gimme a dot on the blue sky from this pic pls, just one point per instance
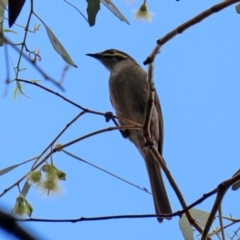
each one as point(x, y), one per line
point(197, 79)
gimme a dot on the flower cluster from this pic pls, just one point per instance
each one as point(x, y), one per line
point(49, 181)
point(142, 13)
point(22, 207)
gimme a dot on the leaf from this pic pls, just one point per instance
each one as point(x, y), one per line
point(92, 10)
point(9, 30)
point(58, 46)
point(3, 4)
point(19, 89)
point(36, 27)
point(14, 9)
point(8, 169)
point(236, 185)
point(200, 216)
point(110, 5)
point(15, 93)
point(238, 8)
point(25, 188)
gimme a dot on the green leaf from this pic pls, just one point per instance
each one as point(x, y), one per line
point(238, 8)
point(92, 10)
point(110, 5)
point(8, 169)
point(200, 216)
point(9, 30)
point(15, 93)
point(3, 4)
point(19, 89)
point(25, 188)
point(36, 27)
point(57, 45)
point(236, 185)
point(29, 208)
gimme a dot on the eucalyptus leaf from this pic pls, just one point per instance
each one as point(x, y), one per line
point(59, 47)
point(25, 188)
point(110, 5)
point(236, 185)
point(15, 93)
point(3, 4)
point(201, 218)
point(238, 8)
point(8, 169)
point(9, 30)
point(92, 10)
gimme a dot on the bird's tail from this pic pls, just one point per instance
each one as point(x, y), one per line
point(161, 202)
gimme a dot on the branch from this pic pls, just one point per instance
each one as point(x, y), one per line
point(66, 145)
point(45, 75)
point(151, 96)
point(214, 9)
point(75, 104)
point(153, 149)
point(77, 10)
point(101, 169)
point(172, 182)
point(58, 136)
point(221, 190)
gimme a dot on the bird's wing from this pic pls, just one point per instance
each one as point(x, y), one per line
point(124, 133)
point(160, 120)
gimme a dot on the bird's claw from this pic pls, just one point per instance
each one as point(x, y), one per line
point(108, 116)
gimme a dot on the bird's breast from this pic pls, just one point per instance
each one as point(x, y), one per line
point(129, 95)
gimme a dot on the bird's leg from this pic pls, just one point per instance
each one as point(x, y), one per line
point(109, 116)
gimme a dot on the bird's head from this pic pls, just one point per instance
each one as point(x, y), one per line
point(111, 58)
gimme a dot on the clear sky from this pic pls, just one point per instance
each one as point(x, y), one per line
point(197, 79)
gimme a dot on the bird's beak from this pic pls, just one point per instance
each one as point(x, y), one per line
point(94, 55)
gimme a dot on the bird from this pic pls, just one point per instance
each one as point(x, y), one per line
point(129, 92)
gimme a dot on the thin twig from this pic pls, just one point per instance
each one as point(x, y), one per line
point(24, 38)
point(73, 103)
point(151, 96)
point(153, 149)
point(177, 213)
point(98, 132)
point(172, 182)
point(58, 136)
point(178, 30)
point(77, 10)
point(221, 221)
point(46, 76)
point(66, 145)
point(222, 189)
point(103, 170)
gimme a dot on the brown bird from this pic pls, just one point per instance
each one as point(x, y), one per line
point(129, 95)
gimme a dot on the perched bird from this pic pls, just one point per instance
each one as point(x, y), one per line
point(129, 95)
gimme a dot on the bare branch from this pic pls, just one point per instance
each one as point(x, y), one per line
point(178, 30)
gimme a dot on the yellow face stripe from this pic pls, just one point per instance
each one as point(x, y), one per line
point(114, 53)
